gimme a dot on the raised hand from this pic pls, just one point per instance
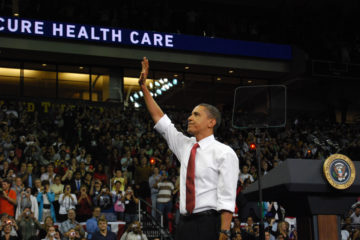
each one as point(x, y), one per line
point(144, 71)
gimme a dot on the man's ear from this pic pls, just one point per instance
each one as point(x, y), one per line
point(212, 123)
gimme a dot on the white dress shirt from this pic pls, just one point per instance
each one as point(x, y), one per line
point(216, 169)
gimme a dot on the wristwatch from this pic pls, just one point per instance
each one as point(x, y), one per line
point(226, 232)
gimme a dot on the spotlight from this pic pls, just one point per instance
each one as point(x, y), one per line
point(161, 81)
point(231, 71)
point(152, 161)
point(136, 96)
point(175, 81)
point(170, 84)
point(163, 88)
point(165, 80)
point(157, 84)
point(136, 105)
point(187, 67)
point(151, 85)
point(158, 91)
point(151, 94)
point(218, 78)
point(141, 94)
point(252, 146)
point(155, 95)
point(131, 99)
point(166, 87)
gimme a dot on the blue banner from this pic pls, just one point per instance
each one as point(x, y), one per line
point(10, 25)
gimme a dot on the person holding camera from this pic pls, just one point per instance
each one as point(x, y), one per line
point(72, 234)
point(6, 229)
point(67, 201)
point(130, 202)
point(28, 225)
point(104, 200)
point(134, 232)
point(27, 200)
point(45, 199)
point(52, 234)
point(7, 198)
point(69, 224)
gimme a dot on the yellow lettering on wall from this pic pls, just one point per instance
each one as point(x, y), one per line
point(46, 106)
point(30, 107)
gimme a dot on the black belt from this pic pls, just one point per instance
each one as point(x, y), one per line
point(210, 212)
point(46, 206)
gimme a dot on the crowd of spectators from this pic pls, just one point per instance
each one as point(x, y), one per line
point(325, 30)
point(77, 164)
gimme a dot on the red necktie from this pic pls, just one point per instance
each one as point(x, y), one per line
point(190, 180)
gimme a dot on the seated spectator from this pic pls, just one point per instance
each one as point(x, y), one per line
point(92, 223)
point(134, 232)
point(52, 234)
point(45, 227)
point(130, 201)
point(67, 201)
point(45, 200)
point(28, 225)
point(69, 224)
point(104, 232)
point(104, 200)
point(5, 232)
point(355, 216)
point(27, 200)
point(84, 205)
point(7, 199)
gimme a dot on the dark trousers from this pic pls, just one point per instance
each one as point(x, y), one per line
point(199, 227)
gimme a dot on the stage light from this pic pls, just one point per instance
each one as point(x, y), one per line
point(151, 94)
point(152, 161)
point(141, 94)
point(163, 88)
point(187, 68)
point(166, 87)
point(252, 146)
point(170, 84)
point(175, 81)
point(136, 105)
point(161, 81)
point(131, 99)
point(231, 71)
point(218, 78)
point(157, 84)
point(151, 85)
point(158, 91)
point(155, 95)
point(166, 80)
point(136, 96)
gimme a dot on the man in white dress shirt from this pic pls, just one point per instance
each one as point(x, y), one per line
point(209, 170)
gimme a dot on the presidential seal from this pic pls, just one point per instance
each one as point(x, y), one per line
point(339, 171)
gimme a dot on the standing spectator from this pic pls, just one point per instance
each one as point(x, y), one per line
point(153, 181)
point(103, 232)
point(7, 199)
point(45, 199)
point(76, 183)
point(29, 177)
point(164, 200)
point(27, 200)
point(118, 178)
point(141, 177)
point(67, 201)
point(28, 225)
point(105, 201)
point(57, 188)
point(69, 224)
point(18, 187)
point(91, 224)
point(5, 233)
point(244, 175)
point(84, 205)
point(130, 202)
point(100, 174)
point(49, 175)
point(118, 199)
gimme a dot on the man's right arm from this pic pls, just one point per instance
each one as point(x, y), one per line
point(151, 105)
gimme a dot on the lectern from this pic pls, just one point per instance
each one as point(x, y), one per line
point(300, 186)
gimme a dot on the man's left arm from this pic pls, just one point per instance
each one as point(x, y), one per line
point(226, 189)
point(11, 197)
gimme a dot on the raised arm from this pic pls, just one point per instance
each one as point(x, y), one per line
point(153, 108)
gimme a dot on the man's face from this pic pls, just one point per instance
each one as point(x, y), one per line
point(267, 236)
point(96, 212)
point(71, 215)
point(50, 169)
point(102, 225)
point(357, 211)
point(198, 121)
point(5, 186)
point(29, 168)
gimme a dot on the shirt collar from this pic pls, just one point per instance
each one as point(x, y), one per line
point(203, 143)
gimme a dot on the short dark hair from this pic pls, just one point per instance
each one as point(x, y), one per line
point(213, 112)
